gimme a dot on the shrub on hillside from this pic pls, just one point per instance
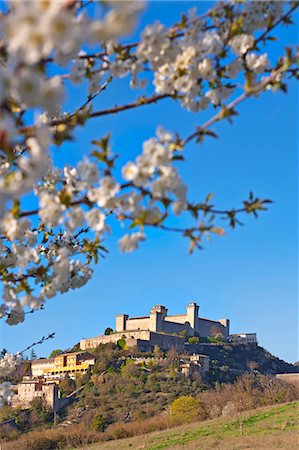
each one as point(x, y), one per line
point(108, 331)
point(185, 409)
point(121, 343)
point(67, 386)
point(99, 423)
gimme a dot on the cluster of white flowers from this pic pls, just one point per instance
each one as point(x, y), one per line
point(19, 176)
point(33, 33)
point(8, 364)
point(257, 63)
point(258, 14)
point(105, 194)
point(190, 67)
point(36, 29)
point(130, 242)
point(5, 392)
point(156, 159)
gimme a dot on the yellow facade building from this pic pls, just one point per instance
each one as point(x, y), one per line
point(65, 363)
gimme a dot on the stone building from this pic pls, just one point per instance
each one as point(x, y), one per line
point(160, 329)
point(29, 390)
point(196, 363)
point(244, 338)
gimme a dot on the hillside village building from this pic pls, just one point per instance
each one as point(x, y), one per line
point(160, 329)
point(29, 390)
point(244, 338)
point(196, 363)
point(65, 363)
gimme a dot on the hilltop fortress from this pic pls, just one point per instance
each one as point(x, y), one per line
point(160, 329)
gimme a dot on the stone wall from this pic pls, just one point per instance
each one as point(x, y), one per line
point(167, 341)
point(130, 337)
point(172, 327)
point(139, 338)
point(206, 328)
point(138, 324)
point(179, 318)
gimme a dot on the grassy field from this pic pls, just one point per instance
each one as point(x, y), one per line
point(274, 427)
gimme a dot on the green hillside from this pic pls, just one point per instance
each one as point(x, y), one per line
point(272, 427)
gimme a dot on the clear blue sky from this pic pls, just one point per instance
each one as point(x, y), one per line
point(249, 276)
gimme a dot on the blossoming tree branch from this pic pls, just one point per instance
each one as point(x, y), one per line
point(212, 62)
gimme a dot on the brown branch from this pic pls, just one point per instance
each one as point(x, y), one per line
point(90, 98)
point(115, 109)
point(279, 21)
point(42, 340)
point(140, 102)
point(153, 98)
point(81, 201)
point(230, 107)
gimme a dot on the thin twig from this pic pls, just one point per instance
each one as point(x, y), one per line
point(41, 341)
point(90, 98)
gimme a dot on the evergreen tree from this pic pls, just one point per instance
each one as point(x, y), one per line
point(33, 354)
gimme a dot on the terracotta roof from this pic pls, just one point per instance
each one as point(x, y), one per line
point(75, 354)
point(69, 353)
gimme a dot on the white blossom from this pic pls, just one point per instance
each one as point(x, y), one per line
point(8, 363)
point(212, 43)
point(257, 63)
point(206, 69)
point(241, 43)
point(130, 171)
point(105, 194)
point(51, 209)
point(13, 228)
point(130, 242)
point(88, 171)
point(76, 217)
point(43, 250)
point(96, 220)
point(5, 392)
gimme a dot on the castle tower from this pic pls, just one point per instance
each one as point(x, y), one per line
point(157, 317)
point(120, 322)
point(225, 323)
point(192, 315)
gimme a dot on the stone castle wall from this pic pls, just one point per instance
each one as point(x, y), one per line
point(172, 327)
point(180, 318)
point(130, 337)
point(166, 341)
point(138, 324)
point(139, 338)
point(207, 328)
